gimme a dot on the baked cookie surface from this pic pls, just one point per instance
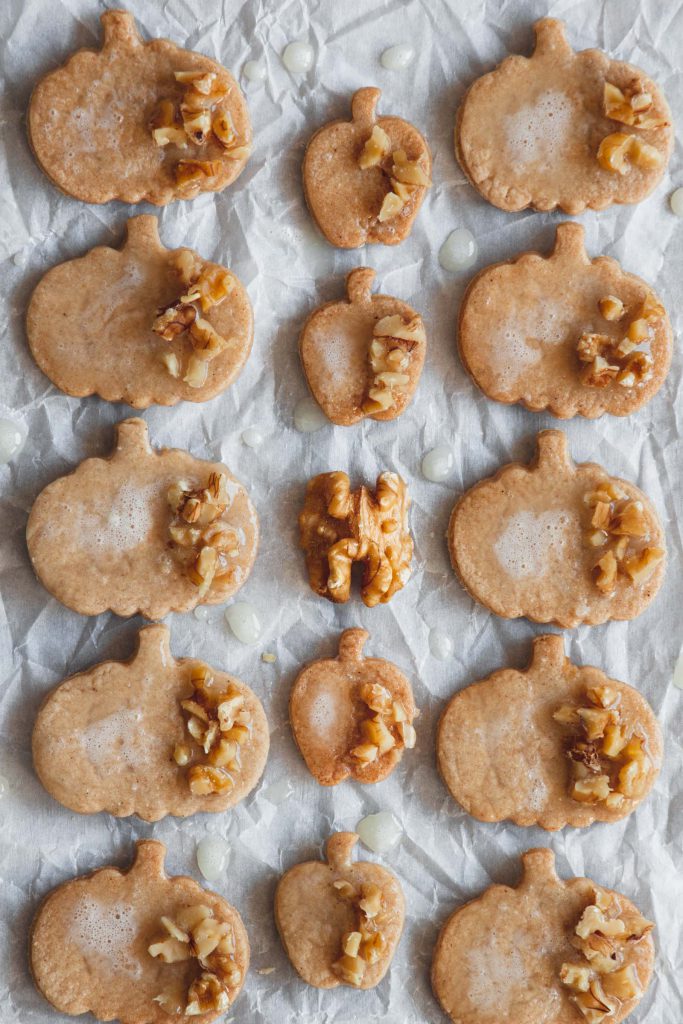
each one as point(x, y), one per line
point(143, 531)
point(352, 716)
point(543, 952)
point(557, 542)
point(363, 356)
point(340, 921)
point(138, 121)
point(575, 336)
point(569, 747)
point(365, 179)
point(142, 324)
point(118, 944)
point(137, 737)
point(563, 129)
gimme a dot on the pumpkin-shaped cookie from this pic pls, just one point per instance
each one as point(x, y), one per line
point(138, 946)
point(552, 745)
point(544, 952)
point(363, 356)
point(557, 542)
point(340, 922)
point(563, 129)
point(142, 324)
point(365, 179)
point(352, 716)
point(138, 121)
point(143, 531)
point(575, 336)
point(150, 736)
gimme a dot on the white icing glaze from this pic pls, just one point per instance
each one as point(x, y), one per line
point(252, 437)
point(213, 854)
point(279, 792)
point(201, 613)
point(308, 416)
point(379, 832)
point(510, 354)
point(12, 440)
point(116, 735)
point(107, 931)
point(20, 259)
point(254, 71)
point(398, 58)
point(324, 713)
point(496, 977)
point(676, 202)
point(437, 464)
point(678, 673)
point(527, 540)
point(440, 644)
point(537, 132)
point(459, 251)
point(298, 58)
point(244, 622)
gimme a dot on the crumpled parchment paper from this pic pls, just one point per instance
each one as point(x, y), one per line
point(260, 227)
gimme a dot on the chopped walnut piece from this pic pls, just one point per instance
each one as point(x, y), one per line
point(631, 106)
point(636, 369)
point(642, 565)
point(390, 355)
point(366, 753)
point(205, 780)
point(376, 148)
point(392, 205)
point(611, 307)
point(408, 172)
point(365, 944)
point(219, 724)
point(171, 362)
point(189, 172)
point(619, 152)
point(625, 525)
point(173, 320)
point(605, 573)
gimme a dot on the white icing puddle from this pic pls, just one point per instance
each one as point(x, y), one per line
point(114, 737)
point(298, 58)
point(379, 832)
point(213, 854)
point(12, 439)
point(324, 713)
point(527, 541)
point(398, 58)
point(244, 622)
point(537, 133)
point(309, 417)
point(107, 931)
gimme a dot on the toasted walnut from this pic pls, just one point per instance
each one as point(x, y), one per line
point(605, 573)
point(642, 565)
point(390, 355)
point(619, 152)
point(623, 525)
point(599, 373)
point(220, 725)
point(376, 148)
point(408, 172)
point(392, 205)
point(636, 369)
point(611, 307)
point(365, 944)
point(173, 320)
point(631, 106)
point(208, 545)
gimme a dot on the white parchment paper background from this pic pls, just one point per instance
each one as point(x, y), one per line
point(261, 229)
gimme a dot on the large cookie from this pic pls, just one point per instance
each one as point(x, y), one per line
point(138, 121)
point(565, 333)
point(544, 952)
point(138, 946)
point(143, 531)
point(365, 179)
point(363, 356)
point(340, 922)
point(552, 745)
point(142, 324)
point(557, 542)
point(138, 737)
point(563, 129)
point(352, 716)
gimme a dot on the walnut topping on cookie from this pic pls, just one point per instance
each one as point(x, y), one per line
point(620, 530)
point(386, 726)
point(619, 152)
point(606, 359)
point(390, 356)
point(220, 725)
point(609, 762)
point(405, 175)
point(365, 944)
point(607, 977)
point(195, 933)
point(339, 527)
point(199, 538)
point(631, 105)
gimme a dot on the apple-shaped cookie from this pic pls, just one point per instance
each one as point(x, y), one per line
point(599, 342)
point(557, 542)
point(352, 716)
point(138, 121)
point(365, 179)
point(340, 922)
point(138, 946)
point(563, 129)
point(142, 324)
point(544, 952)
point(143, 531)
point(552, 745)
point(138, 737)
point(363, 356)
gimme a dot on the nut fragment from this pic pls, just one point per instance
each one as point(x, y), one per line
point(611, 307)
point(619, 151)
point(219, 724)
point(376, 148)
point(631, 106)
point(365, 944)
point(392, 205)
point(624, 526)
point(408, 172)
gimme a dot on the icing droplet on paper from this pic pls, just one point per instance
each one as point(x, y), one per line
point(298, 58)
point(676, 202)
point(252, 437)
point(678, 673)
point(437, 464)
point(279, 792)
point(398, 58)
point(459, 251)
point(213, 854)
point(12, 438)
point(200, 613)
point(379, 832)
point(254, 71)
point(440, 645)
point(244, 622)
point(308, 416)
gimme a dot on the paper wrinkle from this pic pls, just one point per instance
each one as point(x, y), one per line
point(261, 229)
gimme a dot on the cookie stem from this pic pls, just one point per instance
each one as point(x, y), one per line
point(154, 641)
point(149, 857)
point(359, 285)
point(569, 243)
point(363, 107)
point(143, 232)
point(551, 451)
point(339, 849)
point(132, 436)
point(551, 38)
point(548, 652)
point(119, 30)
point(351, 644)
point(538, 868)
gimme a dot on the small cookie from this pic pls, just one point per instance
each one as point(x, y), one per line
point(340, 922)
point(363, 356)
point(352, 716)
point(142, 324)
point(365, 179)
point(138, 946)
point(138, 121)
point(150, 736)
point(143, 531)
point(557, 542)
point(543, 952)
point(339, 526)
point(569, 747)
point(563, 129)
point(576, 336)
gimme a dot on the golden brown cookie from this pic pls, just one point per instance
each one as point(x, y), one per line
point(142, 324)
point(363, 356)
point(352, 716)
point(339, 526)
point(552, 745)
point(576, 336)
point(543, 952)
point(138, 121)
point(340, 922)
point(365, 179)
point(138, 946)
point(150, 736)
point(143, 531)
point(563, 129)
point(557, 542)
